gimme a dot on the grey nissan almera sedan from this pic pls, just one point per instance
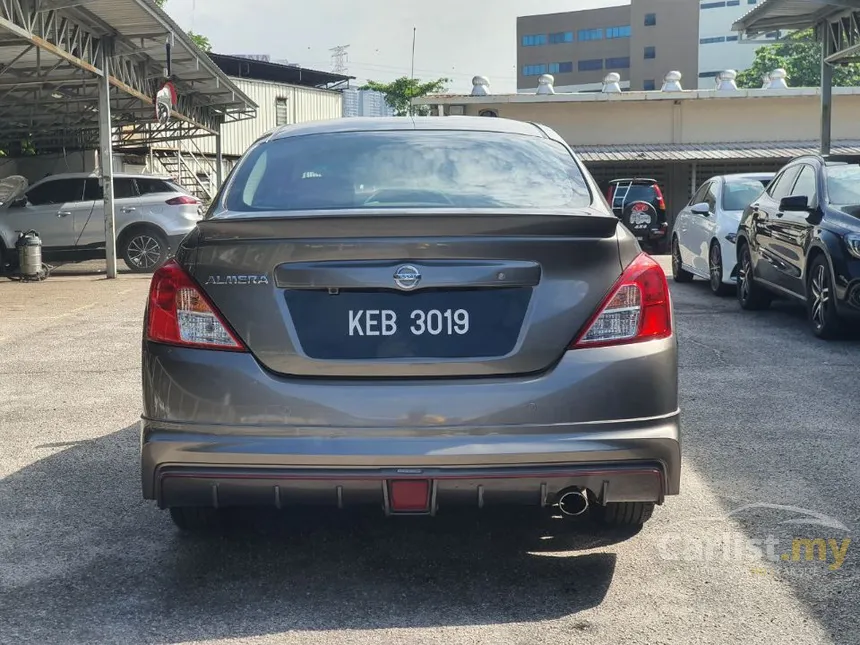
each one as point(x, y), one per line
point(416, 314)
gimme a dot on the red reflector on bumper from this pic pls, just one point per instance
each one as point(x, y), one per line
point(409, 495)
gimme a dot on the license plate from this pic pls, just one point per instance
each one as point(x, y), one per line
point(459, 323)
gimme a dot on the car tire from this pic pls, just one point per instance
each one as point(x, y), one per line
point(144, 250)
point(715, 270)
point(678, 272)
point(190, 519)
point(624, 513)
point(751, 295)
point(820, 304)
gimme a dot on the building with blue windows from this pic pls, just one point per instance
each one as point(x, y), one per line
point(641, 41)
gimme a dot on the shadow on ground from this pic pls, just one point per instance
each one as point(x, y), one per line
point(85, 559)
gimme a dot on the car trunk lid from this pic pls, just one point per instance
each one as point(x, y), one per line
point(420, 294)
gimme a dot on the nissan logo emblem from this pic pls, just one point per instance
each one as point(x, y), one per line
point(407, 277)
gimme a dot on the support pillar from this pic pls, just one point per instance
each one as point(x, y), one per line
point(826, 93)
point(219, 160)
point(106, 160)
point(693, 180)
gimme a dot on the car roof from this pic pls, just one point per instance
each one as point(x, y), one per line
point(750, 175)
point(95, 175)
point(400, 123)
point(634, 180)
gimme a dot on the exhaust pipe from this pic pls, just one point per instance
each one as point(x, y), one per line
point(573, 502)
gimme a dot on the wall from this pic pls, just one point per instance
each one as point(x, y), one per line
point(303, 104)
point(35, 168)
point(675, 38)
point(627, 119)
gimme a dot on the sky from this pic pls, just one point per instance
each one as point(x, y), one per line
point(457, 39)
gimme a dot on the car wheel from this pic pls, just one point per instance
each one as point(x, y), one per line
point(144, 250)
point(678, 272)
point(820, 304)
point(751, 295)
point(624, 513)
point(196, 519)
point(715, 269)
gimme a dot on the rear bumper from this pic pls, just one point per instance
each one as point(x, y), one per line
point(626, 461)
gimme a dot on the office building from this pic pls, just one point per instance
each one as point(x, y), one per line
point(365, 103)
point(641, 41)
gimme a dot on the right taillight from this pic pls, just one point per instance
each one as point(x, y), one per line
point(179, 313)
point(638, 308)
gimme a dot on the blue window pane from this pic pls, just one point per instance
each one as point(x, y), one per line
point(618, 32)
point(590, 34)
point(534, 40)
point(618, 63)
point(590, 65)
point(733, 3)
point(714, 39)
point(534, 70)
point(731, 39)
point(713, 5)
point(561, 68)
point(650, 52)
point(648, 85)
point(561, 37)
point(650, 19)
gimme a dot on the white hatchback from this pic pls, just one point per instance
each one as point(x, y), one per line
point(703, 239)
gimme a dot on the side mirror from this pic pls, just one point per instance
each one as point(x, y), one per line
point(701, 208)
point(794, 203)
point(18, 203)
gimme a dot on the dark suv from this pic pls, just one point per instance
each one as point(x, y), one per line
point(639, 204)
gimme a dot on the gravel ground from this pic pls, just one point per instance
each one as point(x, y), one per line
point(769, 421)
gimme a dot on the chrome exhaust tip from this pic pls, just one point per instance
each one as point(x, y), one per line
point(573, 502)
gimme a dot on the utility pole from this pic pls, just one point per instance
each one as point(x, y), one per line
point(339, 58)
point(412, 74)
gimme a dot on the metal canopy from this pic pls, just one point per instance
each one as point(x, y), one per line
point(836, 23)
point(51, 63)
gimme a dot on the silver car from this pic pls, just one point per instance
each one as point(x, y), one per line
point(152, 214)
point(414, 314)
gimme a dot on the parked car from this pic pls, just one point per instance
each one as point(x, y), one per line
point(703, 240)
point(478, 330)
point(639, 203)
point(67, 211)
point(801, 239)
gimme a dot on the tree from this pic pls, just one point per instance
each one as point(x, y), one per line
point(801, 59)
point(400, 92)
point(201, 41)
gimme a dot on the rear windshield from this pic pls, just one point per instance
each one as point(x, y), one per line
point(740, 193)
point(843, 184)
point(637, 193)
point(407, 169)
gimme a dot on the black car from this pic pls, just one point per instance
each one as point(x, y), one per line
point(638, 202)
point(801, 239)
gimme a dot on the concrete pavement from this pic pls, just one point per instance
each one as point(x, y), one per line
point(769, 418)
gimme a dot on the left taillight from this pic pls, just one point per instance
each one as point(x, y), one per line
point(660, 201)
point(638, 308)
point(179, 313)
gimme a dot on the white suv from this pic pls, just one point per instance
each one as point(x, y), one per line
point(152, 215)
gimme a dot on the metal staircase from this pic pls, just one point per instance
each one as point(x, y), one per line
point(195, 171)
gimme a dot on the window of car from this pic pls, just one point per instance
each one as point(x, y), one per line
point(123, 188)
point(56, 191)
point(843, 184)
point(699, 197)
point(806, 184)
point(149, 186)
point(740, 193)
point(407, 169)
point(782, 185)
point(711, 196)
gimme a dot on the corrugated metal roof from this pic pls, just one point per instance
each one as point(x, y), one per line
point(710, 151)
point(771, 15)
